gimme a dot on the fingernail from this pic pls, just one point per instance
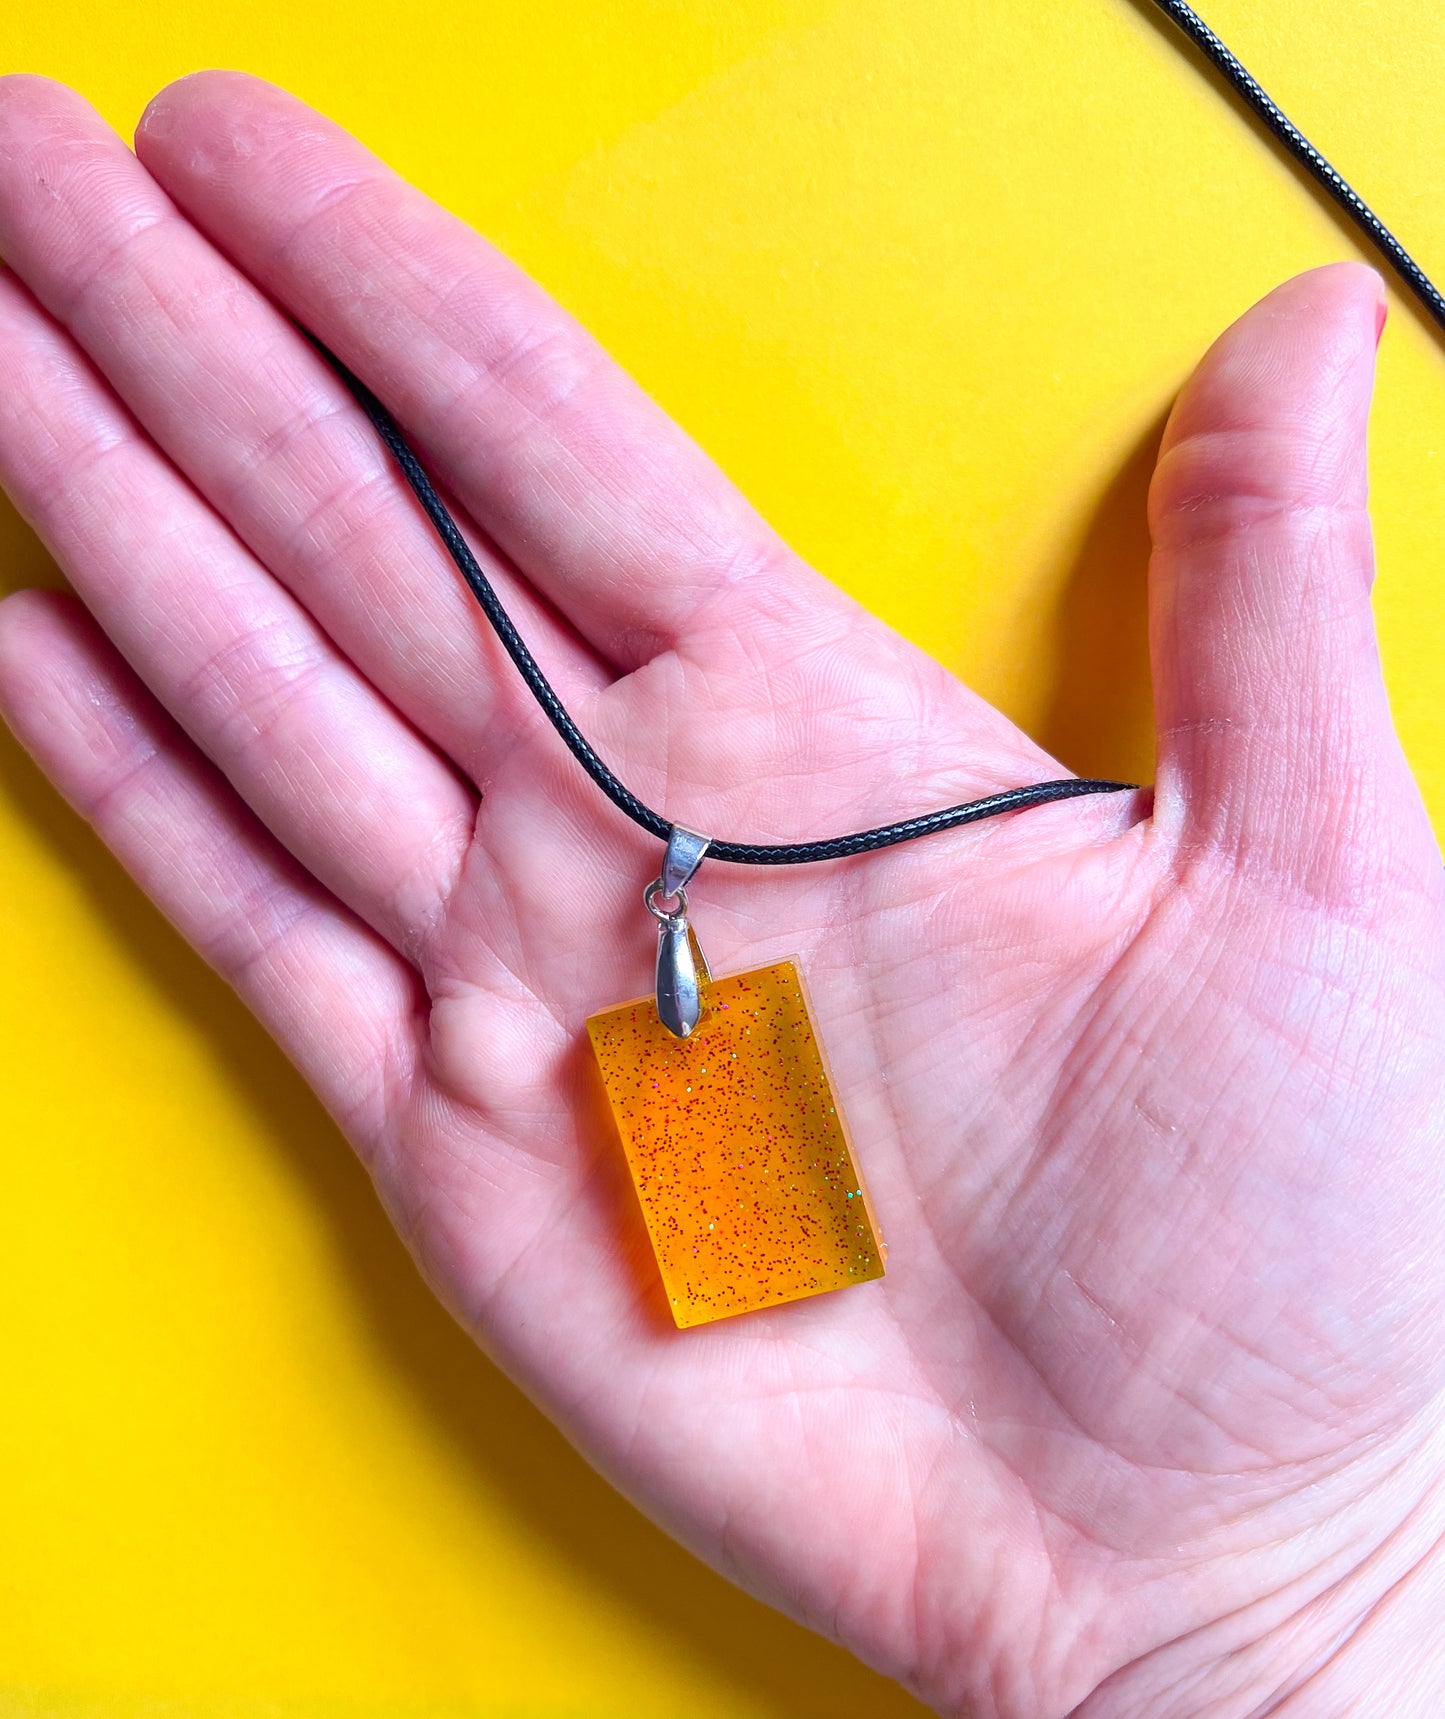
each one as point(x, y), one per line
point(1382, 310)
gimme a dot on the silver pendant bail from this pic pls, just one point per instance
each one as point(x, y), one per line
point(685, 850)
point(681, 966)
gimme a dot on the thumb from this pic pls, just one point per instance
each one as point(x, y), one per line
point(1274, 735)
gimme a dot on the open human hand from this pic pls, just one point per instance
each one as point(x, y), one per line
point(1146, 1417)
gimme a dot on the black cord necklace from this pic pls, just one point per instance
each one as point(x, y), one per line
point(1299, 146)
point(739, 853)
point(718, 1087)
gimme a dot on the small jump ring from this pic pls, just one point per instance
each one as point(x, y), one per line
point(674, 921)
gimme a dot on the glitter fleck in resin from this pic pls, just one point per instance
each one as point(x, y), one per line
point(737, 1149)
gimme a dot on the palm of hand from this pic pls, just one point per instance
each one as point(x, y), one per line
point(1144, 1092)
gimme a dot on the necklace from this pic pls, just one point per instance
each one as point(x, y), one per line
point(727, 1114)
point(719, 1088)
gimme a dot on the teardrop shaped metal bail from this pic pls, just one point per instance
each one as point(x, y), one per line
point(681, 968)
point(679, 989)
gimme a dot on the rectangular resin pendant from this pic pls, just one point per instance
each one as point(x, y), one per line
point(737, 1150)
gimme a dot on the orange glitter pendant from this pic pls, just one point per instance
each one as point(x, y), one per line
point(738, 1151)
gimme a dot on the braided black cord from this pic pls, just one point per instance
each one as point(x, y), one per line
point(739, 853)
point(1300, 147)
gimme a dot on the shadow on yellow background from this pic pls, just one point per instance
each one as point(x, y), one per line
point(1098, 719)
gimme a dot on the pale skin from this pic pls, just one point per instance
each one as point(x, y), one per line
point(1146, 1417)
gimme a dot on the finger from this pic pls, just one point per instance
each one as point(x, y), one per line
point(1275, 739)
point(337, 1000)
point(339, 778)
point(597, 496)
point(259, 423)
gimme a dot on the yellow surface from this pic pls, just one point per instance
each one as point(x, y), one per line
point(738, 1152)
point(923, 275)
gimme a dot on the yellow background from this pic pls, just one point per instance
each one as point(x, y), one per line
point(923, 276)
